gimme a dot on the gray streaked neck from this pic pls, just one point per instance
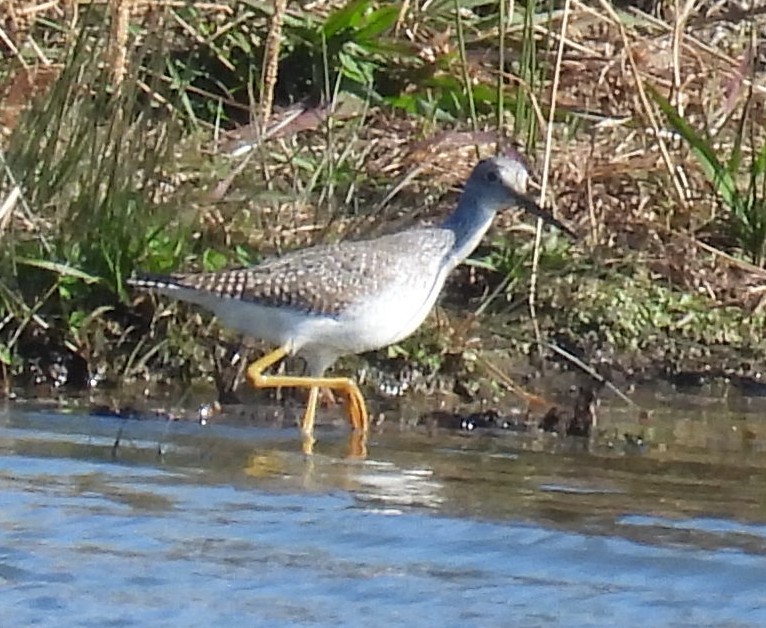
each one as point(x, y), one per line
point(469, 222)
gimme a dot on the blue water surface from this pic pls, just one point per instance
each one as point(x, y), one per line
point(191, 538)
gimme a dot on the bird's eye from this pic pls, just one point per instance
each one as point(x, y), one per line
point(491, 176)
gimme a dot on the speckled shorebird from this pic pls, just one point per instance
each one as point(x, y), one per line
point(328, 301)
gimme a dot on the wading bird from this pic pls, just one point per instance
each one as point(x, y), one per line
point(332, 300)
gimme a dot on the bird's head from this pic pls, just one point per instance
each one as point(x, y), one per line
point(500, 182)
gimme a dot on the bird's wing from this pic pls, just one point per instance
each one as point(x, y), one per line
point(322, 279)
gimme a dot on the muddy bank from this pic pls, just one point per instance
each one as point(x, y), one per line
point(432, 371)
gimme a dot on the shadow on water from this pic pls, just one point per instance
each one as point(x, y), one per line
point(184, 524)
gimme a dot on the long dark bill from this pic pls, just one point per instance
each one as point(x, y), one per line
point(533, 208)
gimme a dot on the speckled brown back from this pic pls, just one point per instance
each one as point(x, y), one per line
point(322, 279)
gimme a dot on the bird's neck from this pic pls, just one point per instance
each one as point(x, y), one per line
point(469, 222)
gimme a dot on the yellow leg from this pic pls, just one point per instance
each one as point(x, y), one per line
point(311, 409)
point(357, 445)
point(307, 428)
point(356, 409)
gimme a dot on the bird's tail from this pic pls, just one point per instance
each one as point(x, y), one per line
point(169, 285)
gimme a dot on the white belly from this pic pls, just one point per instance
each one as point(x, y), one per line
point(376, 322)
point(388, 318)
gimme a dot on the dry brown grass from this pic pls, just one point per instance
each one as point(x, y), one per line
point(631, 183)
point(624, 178)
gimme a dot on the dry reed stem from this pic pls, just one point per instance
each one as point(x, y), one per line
point(402, 17)
point(5, 39)
point(546, 170)
point(646, 105)
point(119, 40)
point(271, 60)
point(7, 206)
point(682, 15)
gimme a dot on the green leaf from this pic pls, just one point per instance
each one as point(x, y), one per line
point(377, 22)
point(344, 18)
point(360, 72)
point(244, 257)
point(213, 261)
point(76, 318)
point(5, 354)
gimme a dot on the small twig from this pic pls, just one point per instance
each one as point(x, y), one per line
point(38, 51)
point(29, 218)
point(12, 47)
point(400, 19)
point(730, 259)
point(532, 400)
point(223, 186)
point(530, 94)
point(591, 372)
point(194, 33)
point(39, 7)
point(594, 225)
point(6, 208)
point(406, 180)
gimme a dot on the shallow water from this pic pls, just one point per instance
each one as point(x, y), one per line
point(179, 524)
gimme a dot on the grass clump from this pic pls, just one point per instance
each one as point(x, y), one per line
point(91, 163)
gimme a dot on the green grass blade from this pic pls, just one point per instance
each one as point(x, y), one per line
point(59, 269)
point(721, 178)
